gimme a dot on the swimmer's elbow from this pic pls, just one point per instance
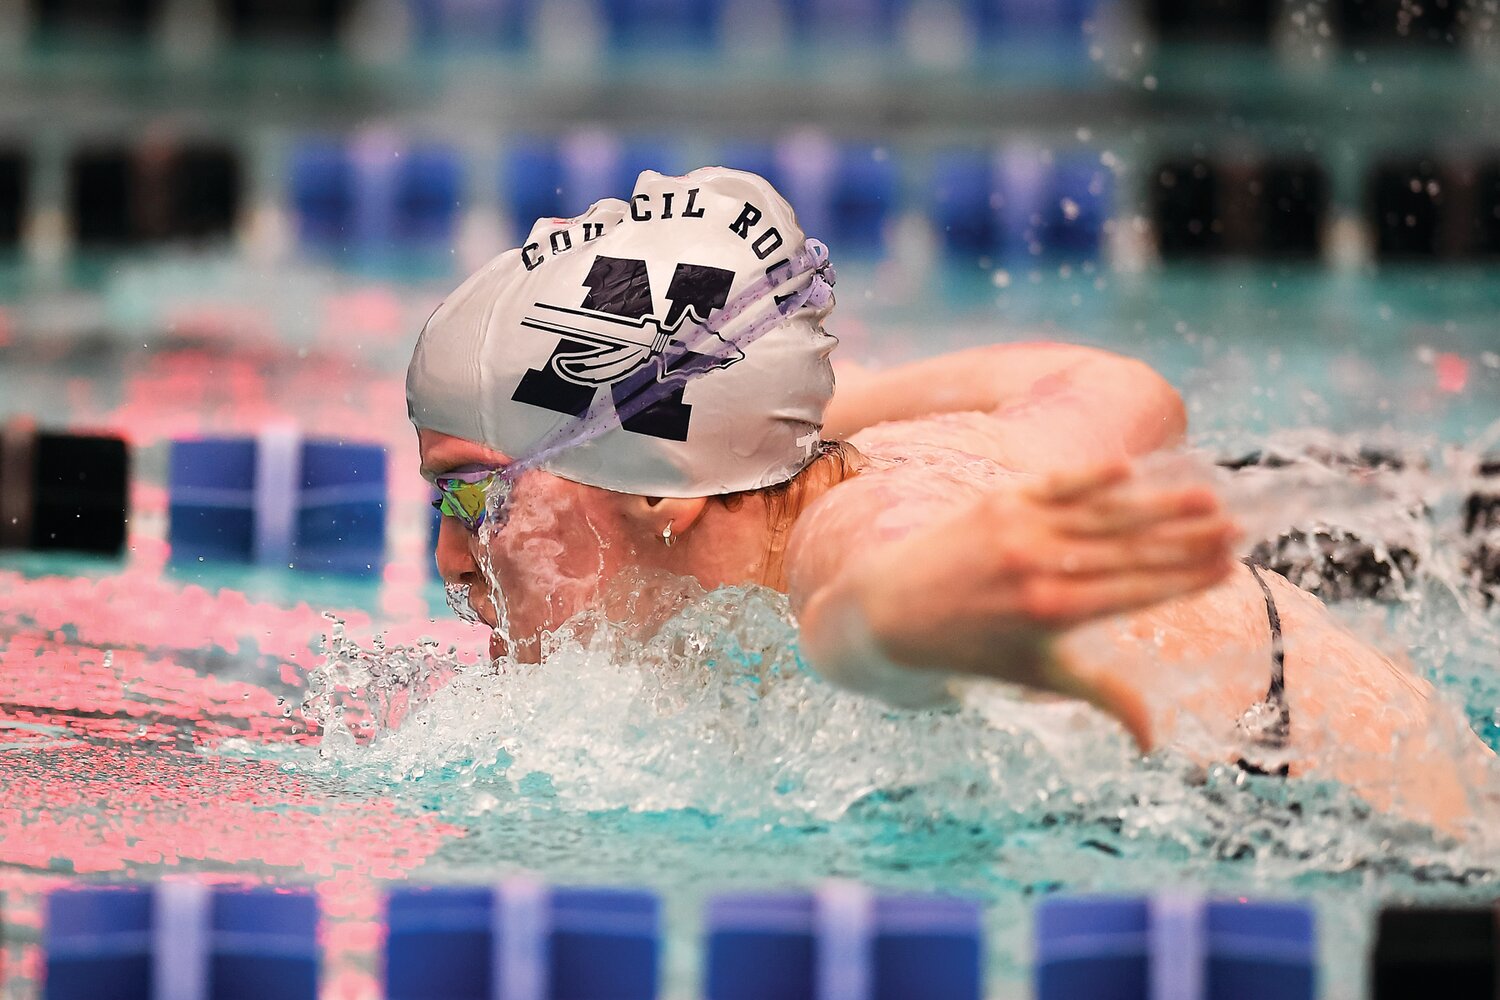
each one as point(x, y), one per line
point(1157, 416)
point(1165, 420)
point(1113, 390)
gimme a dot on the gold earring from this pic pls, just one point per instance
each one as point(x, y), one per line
point(666, 535)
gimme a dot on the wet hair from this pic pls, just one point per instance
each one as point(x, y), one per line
point(835, 459)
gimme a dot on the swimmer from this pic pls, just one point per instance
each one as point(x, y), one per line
point(648, 388)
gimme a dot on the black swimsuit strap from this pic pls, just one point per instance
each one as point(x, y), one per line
point(1275, 734)
point(1276, 693)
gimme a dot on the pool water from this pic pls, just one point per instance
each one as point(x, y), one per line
point(274, 726)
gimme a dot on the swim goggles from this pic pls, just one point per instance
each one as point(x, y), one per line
point(466, 494)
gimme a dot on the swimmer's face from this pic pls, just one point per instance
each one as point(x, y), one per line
point(559, 541)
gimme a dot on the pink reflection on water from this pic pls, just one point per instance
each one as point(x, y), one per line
point(1452, 372)
point(109, 716)
point(119, 690)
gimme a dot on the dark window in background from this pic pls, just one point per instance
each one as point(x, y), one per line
point(304, 22)
point(14, 168)
point(1185, 208)
point(161, 192)
point(1274, 208)
point(124, 19)
point(101, 184)
point(1407, 199)
point(1486, 217)
point(1213, 20)
point(206, 193)
point(1294, 203)
point(1435, 23)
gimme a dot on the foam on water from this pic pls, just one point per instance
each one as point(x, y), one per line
point(716, 715)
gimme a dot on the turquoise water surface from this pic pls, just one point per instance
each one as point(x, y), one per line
point(158, 719)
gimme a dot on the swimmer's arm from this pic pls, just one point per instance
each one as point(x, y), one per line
point(1099, 406)
point(1364, 720)
point(896, 591)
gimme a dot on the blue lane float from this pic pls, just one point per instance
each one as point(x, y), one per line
point(1002, 20)
point(843, 943)
point(376, 196)
point(844, 21)
point(521, 940)
point(278, 500)
point(650, 25)
point(846, 193)
point(966, 208)
point(1021, 205)
point(181, 939)
point(663, 23)
point(465, 24)
point(559, 178)
point(1173, 948)
point(323, 193)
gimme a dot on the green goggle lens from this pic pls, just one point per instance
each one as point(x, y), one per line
point(465, 499)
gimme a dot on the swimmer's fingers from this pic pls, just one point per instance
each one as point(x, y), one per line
point(1130, 508)
point(1064, 487)
point(1065, 601)
point(1175, 545)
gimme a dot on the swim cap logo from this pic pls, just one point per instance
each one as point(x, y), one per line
point(616, 339)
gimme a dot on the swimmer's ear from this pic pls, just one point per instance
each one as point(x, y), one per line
point(653, 514)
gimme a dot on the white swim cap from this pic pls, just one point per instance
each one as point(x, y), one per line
point(671, 345)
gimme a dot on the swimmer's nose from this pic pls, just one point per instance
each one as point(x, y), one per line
point(455, 558)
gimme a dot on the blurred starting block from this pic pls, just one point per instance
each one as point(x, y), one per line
point(521, 939)
point(1261, 208)
point(181, 939)
point(1422, 952)
point(278, 500)
point(843, 942)
point(121, 196)
point(376, 196)
point(1022, 205)
point(1173, 948)
point(60, 491)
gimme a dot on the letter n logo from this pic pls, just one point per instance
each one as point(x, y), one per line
point(616, 338)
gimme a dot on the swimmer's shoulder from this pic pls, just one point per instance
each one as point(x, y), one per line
point(954, 445)
point(909, 474)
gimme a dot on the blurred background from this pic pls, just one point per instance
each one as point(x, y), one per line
point(223, 223)
point(292, 172)
point(410, 139)
point(219, 216)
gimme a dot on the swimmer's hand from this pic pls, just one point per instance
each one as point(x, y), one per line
point(988, 590)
